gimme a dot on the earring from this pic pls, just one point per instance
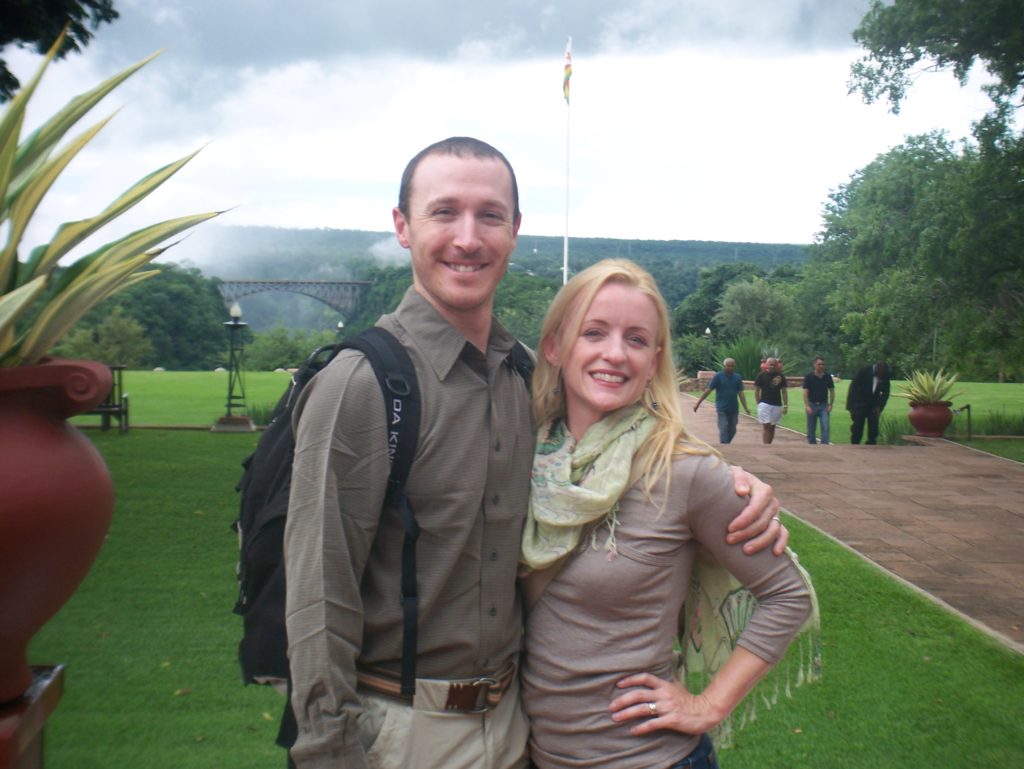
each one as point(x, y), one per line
point(649, 393)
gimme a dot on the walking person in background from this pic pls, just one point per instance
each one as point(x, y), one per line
point(819, 395)
point(865, 400)
point(772, 399)
point(729, 386)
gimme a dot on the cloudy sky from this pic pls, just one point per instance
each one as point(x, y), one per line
point(690, 119)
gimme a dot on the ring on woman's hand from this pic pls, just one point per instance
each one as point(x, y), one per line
point(776, 518)
point(653, 707)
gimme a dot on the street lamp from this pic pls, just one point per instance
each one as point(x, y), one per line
point(341, 329)
point(707, 348)
point(232, 422)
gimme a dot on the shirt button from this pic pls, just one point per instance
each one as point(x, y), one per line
point(497, 445)
point(494, 555)
point(493, 612)
point(495, 499)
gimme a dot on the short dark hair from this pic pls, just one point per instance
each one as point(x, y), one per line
point(817, 358)
point(460, 146)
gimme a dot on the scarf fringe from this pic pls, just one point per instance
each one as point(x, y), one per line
point(716, 611)
point(801, 666)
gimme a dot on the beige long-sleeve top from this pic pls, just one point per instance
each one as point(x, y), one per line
point(603, 618)
point(468, 485)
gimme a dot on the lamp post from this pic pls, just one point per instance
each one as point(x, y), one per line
point(232, 422)
point(707, 348)
point(341, 329)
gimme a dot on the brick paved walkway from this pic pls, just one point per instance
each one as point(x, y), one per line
point(945, 518)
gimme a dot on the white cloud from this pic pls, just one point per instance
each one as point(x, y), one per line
point(725, 142)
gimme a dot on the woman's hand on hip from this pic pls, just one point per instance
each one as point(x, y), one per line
point(658, 704)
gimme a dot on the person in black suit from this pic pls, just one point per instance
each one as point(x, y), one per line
point(865, 400)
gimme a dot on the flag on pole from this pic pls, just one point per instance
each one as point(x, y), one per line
point(568, 69)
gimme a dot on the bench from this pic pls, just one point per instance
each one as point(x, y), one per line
point(115, 405)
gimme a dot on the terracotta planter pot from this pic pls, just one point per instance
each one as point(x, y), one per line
point(56, 502)
point(930, 420)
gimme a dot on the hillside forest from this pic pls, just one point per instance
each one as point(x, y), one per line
point(913, 265)
point(919, 259)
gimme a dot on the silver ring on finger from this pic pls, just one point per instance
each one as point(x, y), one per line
point(653, 707)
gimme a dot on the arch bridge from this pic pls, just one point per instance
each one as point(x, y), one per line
point(342, 295)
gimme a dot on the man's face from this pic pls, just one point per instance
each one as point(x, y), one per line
point(819, 367)
point(460, 230)
point(729, 366)
point(773, 365)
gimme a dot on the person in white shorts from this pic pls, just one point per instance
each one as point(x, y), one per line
point(772, 399)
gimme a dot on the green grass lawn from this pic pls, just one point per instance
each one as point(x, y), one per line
point(1008, 448)
point(191, 397)
point(149, 641)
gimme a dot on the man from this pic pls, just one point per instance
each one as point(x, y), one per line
point(867, 396)
point(458, 214)
point(729, 385)
point(819, 395)
point(772, 399)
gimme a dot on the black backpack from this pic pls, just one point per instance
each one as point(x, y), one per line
point(265, 485)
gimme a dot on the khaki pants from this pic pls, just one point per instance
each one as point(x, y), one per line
point(426, 736)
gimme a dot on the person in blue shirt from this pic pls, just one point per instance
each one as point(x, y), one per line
point(729, 385)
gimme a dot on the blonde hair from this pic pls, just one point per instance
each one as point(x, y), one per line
point(562, 324)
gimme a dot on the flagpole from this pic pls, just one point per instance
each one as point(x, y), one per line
point(565, 90)
point(565, 241)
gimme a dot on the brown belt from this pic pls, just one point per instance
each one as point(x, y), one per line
point(465, 695)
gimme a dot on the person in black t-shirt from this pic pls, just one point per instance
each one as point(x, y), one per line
point(819, 395)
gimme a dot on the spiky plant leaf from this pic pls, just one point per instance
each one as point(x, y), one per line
point(44, 138)
point(27, 173)
point(13, 304)
point(70, 234)
point(29, 197)
point(67, 308)
point(130, 246)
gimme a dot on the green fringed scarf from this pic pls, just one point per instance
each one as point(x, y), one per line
point(576, 485)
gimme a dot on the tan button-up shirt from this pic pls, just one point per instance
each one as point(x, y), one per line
point(469, 486)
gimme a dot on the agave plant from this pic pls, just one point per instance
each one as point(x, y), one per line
point(924, 388)
point(57, 298)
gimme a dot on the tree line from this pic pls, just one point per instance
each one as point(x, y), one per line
point(918, 260)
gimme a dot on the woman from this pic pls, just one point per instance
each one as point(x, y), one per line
point(622, 499)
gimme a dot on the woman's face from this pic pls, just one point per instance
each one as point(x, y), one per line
point(612, 359)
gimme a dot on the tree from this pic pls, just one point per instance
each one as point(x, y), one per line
point(279, 348)
point(902, 36)
point(698, 310)
point(754, 308)
point(927, 240)
point(37, 23)
point(521, 303)
point(182, 314)
point(118, 340)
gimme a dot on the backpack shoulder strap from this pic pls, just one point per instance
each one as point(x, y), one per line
point(396, 376)
point(398, 383)
point(521, 362)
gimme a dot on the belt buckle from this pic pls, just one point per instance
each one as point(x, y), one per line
point(484, 684)
point(458, 691)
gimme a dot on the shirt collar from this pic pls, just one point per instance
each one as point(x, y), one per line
point(441, 344)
